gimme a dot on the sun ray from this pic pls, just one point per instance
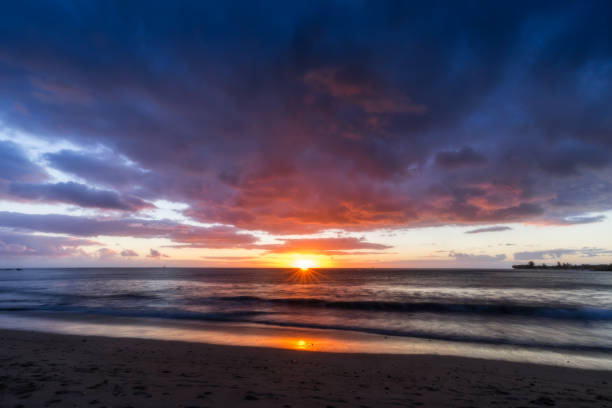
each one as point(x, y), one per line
point(305, 276)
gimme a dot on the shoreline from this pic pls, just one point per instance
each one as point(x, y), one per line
point(248, 334)
point(44, 369)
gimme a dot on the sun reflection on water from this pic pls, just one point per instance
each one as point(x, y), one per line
point(305, 276)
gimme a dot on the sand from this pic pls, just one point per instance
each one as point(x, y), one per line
point(52, 370)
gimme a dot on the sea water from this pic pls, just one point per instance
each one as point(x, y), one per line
point(508, 313)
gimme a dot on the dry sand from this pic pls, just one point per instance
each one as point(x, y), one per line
point(39, 370)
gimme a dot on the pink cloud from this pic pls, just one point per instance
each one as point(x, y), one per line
point(106, 253)
point(129, 253)
point(358, 90)
point(154, 253)
point(346, 245)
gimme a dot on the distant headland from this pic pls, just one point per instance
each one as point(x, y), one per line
point(559, 265)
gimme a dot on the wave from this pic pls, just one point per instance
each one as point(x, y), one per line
point(118, 296)
point(177, 314)
point(445, 336)
point(559, 312)
point(255, 317)
point(48, 300)
point(128, 295)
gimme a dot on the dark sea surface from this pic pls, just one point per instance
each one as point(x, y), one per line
point(560, 311)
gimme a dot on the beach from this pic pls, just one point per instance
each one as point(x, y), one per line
point(56, 370)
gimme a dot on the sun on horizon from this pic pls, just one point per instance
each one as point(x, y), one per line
point(304, 264)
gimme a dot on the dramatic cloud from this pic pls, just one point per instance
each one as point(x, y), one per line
point(183, 235)
point(201, 237)
point(128, 253)
point(488, 229)
point(295, 118)
point(17, 181)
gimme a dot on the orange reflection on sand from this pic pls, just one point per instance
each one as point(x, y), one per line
point(299, 344)
point(304, 345)
point(295, 339)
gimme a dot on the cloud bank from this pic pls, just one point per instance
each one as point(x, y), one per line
point(299, 118)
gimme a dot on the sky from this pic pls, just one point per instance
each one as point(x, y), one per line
point(345, 133)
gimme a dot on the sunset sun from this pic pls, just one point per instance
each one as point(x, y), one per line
point(304, 264)
point(305, 272)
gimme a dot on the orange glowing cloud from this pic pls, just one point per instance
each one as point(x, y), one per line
point(324, 246)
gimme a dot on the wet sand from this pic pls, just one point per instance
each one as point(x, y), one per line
point(40, 370)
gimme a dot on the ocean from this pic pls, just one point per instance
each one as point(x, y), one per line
point(558, 317)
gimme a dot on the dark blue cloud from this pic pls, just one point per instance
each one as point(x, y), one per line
point(15, 165)
point(78, 194)
point(20, 179)
point(299, 117)
point(104, 169)
point(571, 157)
point(464, 157)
